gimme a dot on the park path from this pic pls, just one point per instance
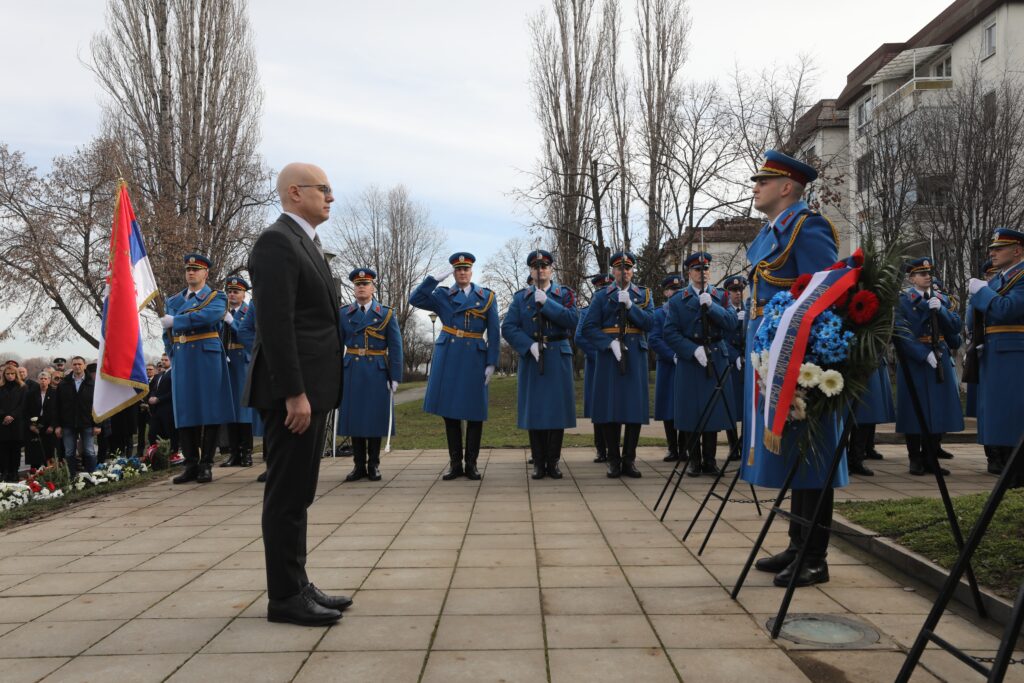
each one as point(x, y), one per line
point(505, 579)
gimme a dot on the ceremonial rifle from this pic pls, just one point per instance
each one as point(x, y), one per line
point(541, 343)
point(621, 336)
point(934, 320)
point(704, 323)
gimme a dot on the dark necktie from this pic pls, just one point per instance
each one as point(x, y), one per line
point(319, 245)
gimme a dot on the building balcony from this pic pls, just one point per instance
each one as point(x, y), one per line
point(915, 86)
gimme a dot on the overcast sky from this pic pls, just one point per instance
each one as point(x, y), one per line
point(433, 95)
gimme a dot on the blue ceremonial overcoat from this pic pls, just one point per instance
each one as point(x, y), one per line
point(1000, 408)
point(201, 381)
point(684, 334)
point(620, 398)
point(664, 407)
point(545, 401)
point(246, 335)
point(373, 357)
point(589, 366)
point(735, 344)
point(798, 241)
point(876, 406)
point(939, 402)
point(238, 362)
point(462, 351)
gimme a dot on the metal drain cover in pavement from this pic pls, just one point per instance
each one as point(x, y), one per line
point(826, 630)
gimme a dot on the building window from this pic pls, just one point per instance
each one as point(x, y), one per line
point(864, 172)
point(944, 69)
point(864, 112)
point(934, 190)
point(988, 41)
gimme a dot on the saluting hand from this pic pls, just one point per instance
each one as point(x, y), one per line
point(299, 413)
point(443, 274)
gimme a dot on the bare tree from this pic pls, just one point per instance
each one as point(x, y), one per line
point(505, 272)
point(184, 108)
point(617, 136)
point(566, 77)
point(417, 348)
point(390, 232)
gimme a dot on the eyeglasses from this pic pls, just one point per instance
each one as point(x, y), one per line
point(326, 189)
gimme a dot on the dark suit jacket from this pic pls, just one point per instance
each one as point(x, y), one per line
point(298, 346)
point(43, 408)
point(74, 408)
point(161, 391)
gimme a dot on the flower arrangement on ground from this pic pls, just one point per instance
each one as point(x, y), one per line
point(819, 342)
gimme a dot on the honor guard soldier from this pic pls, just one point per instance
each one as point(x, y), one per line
point(698, 320)
point(465, 355)
point(240, 430)
point(538, 324)
point(665, 375)
point(373, 370)
point(617, 323)
point(589, 369)
point(795, 241)
point(201, 386)
point(875, 408)
point(1001, 302)
point(736, 345)
point(925, 352)
point(975, 326)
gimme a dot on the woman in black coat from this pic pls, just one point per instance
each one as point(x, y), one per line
point(12, 408)
point(40, 421)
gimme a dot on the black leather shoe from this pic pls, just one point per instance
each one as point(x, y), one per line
point(190, 474)
point(995, 466)
point(944, 454)
point(776, 563)
point(262, 478)
point(539, 471)
point(246, 459)
point(601, 457)
point(614, 470)
point(232, 461)
point(629, 469)
point(670, 457)
point(301, 609)
point(453, 472)
point(529, 460)
point(340, 602)
point(356, 474)
point(931, 470)
point(709, 467)
point(873, 455)
point(917, 468)
point(861, 469)
point(553, 470)
point(373, 473)
point(205, 474)
point(472, 472)
point(812, 573)
point(693, 467)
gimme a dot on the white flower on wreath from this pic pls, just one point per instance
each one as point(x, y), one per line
point(755, 361)
point(798, 411)
point(831, 383)
point(810, 375)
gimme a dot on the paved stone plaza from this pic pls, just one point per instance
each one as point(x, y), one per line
point(501, 580)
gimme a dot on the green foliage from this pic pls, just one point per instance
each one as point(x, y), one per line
point(999, 560)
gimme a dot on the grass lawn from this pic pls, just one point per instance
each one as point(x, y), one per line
point(37, 509)
point(417, 429)
point(999, 560)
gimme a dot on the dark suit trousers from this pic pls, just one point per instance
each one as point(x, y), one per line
point(293, 466)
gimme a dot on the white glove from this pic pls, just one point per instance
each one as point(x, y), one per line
point(167, 321)
point(932, 360)
point(392, 386)
point(701, 355)
point(705, 299)
point(741, 315)
point(739, 363)
point(675, 360)
point(535, 350)
point(540, 297)
point(624, 298)
point(974, 285)
point(616, 348)
point(228, 318)
point(442, 274)
point(934, 303)
point(488, 372)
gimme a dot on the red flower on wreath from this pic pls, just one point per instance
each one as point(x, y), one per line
point(800, 285)
point(863, 307)
point(50, 485)
point(34, 486)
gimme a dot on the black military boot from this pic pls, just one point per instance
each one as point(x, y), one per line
point(857, 451)
point(735, 447)
point(189, 437)
point(373, 459)
point(246, 459)
point(190, 473)
point(709, 447)
point(995, 460)
point(205, 474)
point(554, 452)
point(914, 454)
point(234, 459)
point(611, 442)
point(472, 454)
point(602, 451)
point(630, 441)
point(538, 449)
point(358, 459)
point(454, 470)
point(672, 438)
point(693, 464)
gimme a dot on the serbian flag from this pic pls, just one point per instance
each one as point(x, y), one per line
point(121, 373)
point(789, 346)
